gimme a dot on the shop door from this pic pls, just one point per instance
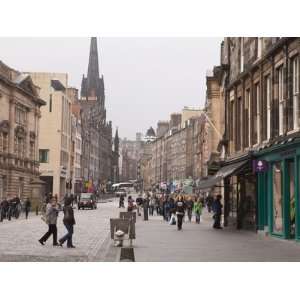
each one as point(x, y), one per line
point(290, 203)
point(277, 200)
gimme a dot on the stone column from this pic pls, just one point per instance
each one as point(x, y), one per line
point(11, 135)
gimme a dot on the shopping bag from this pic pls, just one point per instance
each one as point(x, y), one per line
point(172, 220)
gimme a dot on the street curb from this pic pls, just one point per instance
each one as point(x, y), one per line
point(107, 252)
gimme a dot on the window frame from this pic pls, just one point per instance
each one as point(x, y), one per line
point(295, 90)
point(280, 74)
point(47, 160)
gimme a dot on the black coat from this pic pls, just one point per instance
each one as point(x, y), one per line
point(69, 215)
point(217, 207)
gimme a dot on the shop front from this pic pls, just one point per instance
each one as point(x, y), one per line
point(236, 183)
point(279, 190)
point(240, 200)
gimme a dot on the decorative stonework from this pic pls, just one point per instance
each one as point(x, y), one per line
point(4, 126)
point(32, 135)
point(20, 131)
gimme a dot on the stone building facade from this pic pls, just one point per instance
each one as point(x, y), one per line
point(130, 152)
point(115, 159)
point(77, 182)
point(20, 115)
point(171, 156)
point(263, 129)
point(259, 174)
point(55, 143)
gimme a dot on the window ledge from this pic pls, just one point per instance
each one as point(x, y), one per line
point(292, 131)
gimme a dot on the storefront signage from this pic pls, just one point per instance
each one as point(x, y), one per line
point(259, 166)
point(288, 153)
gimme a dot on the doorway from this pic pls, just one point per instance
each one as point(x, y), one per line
point(291, 201)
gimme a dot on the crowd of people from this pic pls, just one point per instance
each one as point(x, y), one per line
point(13, 207)
point(174, 207)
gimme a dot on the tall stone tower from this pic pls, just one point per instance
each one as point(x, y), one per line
point(97, 130)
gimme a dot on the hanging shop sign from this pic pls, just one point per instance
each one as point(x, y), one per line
point(259, 166)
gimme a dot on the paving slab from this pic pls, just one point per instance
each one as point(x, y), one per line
point(157, 241)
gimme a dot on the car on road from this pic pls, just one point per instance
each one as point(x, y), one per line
point(87, 200)
point(121, 192)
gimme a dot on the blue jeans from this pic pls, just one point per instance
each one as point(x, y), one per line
point(68, 236)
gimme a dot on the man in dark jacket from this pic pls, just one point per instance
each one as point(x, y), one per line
point(209, 202)
point(217, 207)
point(69, 222)
point(180, 209)
point(146, 207)
point(27, 207)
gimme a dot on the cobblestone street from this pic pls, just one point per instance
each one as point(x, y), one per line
point(19, 238)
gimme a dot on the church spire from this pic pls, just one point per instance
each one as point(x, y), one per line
point(116, 141)
point(93, 68)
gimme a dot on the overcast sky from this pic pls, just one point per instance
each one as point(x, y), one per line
point(146, 79)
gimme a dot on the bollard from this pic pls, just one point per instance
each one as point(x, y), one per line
point(37, 210)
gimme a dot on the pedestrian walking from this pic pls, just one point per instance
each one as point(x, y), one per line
point(139, 202)
point(27, 205)
point(51, 221)
point(69, 222)
point(167, 209)
point(217, 207)
point(4, 209)
point(209, 202)
point(180, 209)
point(157, 205)
point(161, 206)
point(121, 201)
point(151, 205)
point(72, 198)
point(130, 204)
point(198, 210)
point(189, 208)
point(146, 207)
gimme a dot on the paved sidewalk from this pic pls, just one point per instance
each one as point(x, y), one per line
point(157, 241)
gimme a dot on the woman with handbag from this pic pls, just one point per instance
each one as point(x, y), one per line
point(51, 219)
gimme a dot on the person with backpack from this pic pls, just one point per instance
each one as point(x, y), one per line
point(198, 210)
point(69, 222)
